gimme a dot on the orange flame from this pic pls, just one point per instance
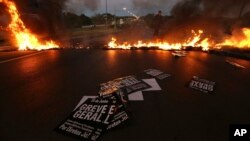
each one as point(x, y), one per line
point(241, 40)
point(194, 41)
point(23, 37)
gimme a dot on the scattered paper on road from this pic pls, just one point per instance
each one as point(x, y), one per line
point(128, 84)
point(95, 115)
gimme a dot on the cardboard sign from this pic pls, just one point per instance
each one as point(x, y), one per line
point(89, 120)
point(202, 85)
point(157, 74)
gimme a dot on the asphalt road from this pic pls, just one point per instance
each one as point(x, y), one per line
point(38, 91)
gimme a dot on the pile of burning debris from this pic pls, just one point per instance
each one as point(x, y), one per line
point(95, 115)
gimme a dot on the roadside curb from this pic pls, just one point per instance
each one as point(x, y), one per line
point(7, 48)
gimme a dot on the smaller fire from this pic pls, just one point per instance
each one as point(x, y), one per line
point(195, 41)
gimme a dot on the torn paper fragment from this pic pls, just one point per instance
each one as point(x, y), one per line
point(136, 96)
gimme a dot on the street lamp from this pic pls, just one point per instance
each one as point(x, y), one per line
point(106, 13)
point(131, 13)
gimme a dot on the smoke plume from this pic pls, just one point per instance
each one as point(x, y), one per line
point(43, 17)
point(230, 8)
point(217, 18)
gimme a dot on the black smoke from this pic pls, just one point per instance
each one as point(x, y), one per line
point(217, 18)
point(43, 17)
point(211, 8)
point(46, 18)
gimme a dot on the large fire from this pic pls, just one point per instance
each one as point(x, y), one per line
point(196, 39)
point(23, 37)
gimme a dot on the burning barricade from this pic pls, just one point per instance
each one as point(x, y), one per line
point(194, 40)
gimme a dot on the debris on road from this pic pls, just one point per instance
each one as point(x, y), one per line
point(179, 53)
point(126, 84)
point(95, 115)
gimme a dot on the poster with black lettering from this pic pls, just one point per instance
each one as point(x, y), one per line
point(120, 113)
point(202, 85)
point(127, 84)
point(157, 74)
point(90, 119)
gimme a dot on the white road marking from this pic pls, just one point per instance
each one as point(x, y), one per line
point(235, 64)
point(22, 57)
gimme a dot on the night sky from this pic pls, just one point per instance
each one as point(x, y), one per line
point(139, 7)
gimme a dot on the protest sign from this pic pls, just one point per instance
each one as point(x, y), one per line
point(89, 120)
point(202, 85)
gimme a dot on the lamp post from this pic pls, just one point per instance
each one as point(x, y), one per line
point(106, 13)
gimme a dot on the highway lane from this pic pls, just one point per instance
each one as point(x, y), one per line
point(39, 91)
